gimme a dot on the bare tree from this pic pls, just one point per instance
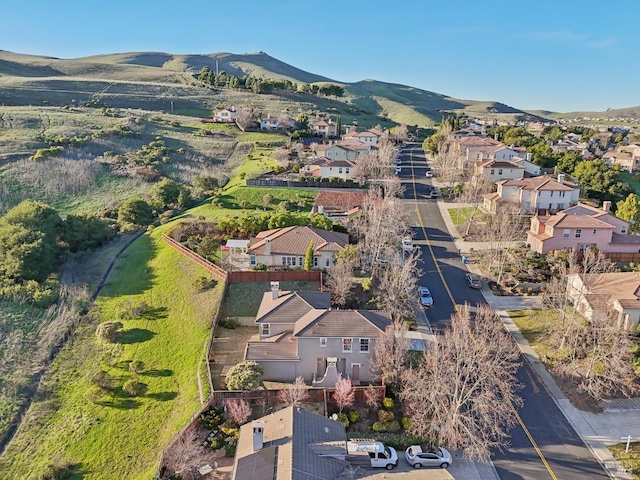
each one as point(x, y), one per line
point(462, 392)
point(397, 284)
point(446, 163)
point(500, 232)
point(339, 280)
point(594, 351)
point(473, 193)
point(402, 132)
point(391, 354)
point(238, 409)
point(344, 394)
point(246, 117)
point(294, 394)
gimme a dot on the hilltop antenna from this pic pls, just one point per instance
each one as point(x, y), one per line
point(216, 67)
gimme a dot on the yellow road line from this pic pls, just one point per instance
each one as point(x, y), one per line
point(435, 261)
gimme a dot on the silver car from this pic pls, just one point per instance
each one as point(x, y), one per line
point(426, 300)
point(422, 456)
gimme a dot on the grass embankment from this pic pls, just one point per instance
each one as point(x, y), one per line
point(629, 460)
point(460, 216)
point(116, 434)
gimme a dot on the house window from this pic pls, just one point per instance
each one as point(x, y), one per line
point(623, 230)
point(562, 194)
point(340, 170)
point(347, 345)
point(364, 345)
point(293, 261)
point(595, 232)
point(499, 171)
point(265, 329)
point(346, 170)
point(315, 262)
point(566, 233)
point(284, 260)
point(327, 262)
point(578, 232)
point(323, 341)
point(493, 171)
point(252, 260)
point(551, 193)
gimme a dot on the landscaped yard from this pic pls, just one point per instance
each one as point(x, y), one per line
point(631, 459)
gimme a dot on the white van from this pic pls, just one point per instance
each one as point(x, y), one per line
point(380, 455)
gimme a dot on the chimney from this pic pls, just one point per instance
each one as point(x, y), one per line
point(257, 435)
point(561, 178)
point(275, 290)
point(528, 157)
point(606, 205)
point(320, 208)
point(267, 246)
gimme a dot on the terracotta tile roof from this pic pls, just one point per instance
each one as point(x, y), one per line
point(576, 220)
point(539, 183)
point(342, 323)
point(290, 306)
point(295, 241)
point(342, 200)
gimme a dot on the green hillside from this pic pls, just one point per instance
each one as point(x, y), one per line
point(153, 80)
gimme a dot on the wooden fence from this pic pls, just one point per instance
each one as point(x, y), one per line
point(212, 267)
point(273, 182)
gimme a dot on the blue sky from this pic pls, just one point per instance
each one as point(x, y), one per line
point(555, 55)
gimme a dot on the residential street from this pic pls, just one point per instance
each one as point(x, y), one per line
point(550, 441)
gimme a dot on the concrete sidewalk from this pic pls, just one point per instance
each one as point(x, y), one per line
point(620, 417)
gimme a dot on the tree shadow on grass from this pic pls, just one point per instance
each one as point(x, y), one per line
point(121, 403)
point(162, 396)
point(155, 313)
point(157, 372)
point(135, 335)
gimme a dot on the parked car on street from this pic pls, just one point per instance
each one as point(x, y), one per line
point(426, 300)
point(429, 172)
point(422, 456)
point(473, 280)
point(398, 170)
point(433, 193)
point(407, 244)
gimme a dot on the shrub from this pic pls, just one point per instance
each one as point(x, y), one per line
point(388, 403)
point(385, 416)
point(134, 388)
point(354, 416)
point(136, 366)
point(107, 332)
point(260, 267)
point(379, 427)
point(211, 418)
point(229, 323)
point(216, 443)
point(103, 381)
point(343, 419)
point(406, 423)
point(245, 376)
point(204, 283)
point(230, 444)
point(393, 426)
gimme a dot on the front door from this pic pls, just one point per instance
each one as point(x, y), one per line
point(321, 367)
point(355, 373)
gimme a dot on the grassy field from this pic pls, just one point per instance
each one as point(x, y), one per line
point(116, 432)
point(459, 216)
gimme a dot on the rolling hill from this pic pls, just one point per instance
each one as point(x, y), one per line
point(141, 79)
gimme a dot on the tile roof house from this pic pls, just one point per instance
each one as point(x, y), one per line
point(287, 247)
point(338, 206)
point(324, 128)
point(225, 115)
point(581, 227)
point(324, 167)
point(626, 157)
point(344, 150)
point(496, 170)
point(291, 444)
point(270, 123)
point(369, 137)
point(535, 193)
point(606, 292)
point(301, 335)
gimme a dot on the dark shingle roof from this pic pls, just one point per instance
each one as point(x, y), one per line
point(292, 437)
point(277, 347)
point(290, 306)
point(340, 323)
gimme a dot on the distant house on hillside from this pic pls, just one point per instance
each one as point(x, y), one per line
point(225, 115)
point(276, 124)
point(329, 168)
point(324, 128)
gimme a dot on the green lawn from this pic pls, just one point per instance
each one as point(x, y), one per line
point(633, 182)
point(117, 432)
point(461, 215)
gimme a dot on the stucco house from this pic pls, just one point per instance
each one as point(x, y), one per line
point(291, 444)
point(535, 193)
point(606, 292)
point(626, 158)
point(225, 115)
point(327, 168)
point(287, 246)
point(339, 206)
point(581, 227)
point(370, 137)
point(497, 170)
point(344, 150)
point(270, 123)
point(301, 335)
point(324, 128)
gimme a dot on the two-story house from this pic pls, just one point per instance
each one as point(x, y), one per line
point(581, 227)
point(324, 128)
point(225, 115)
point(301, 335)
point(287, 246)
point(535, 193)
point(344, 150)
point(276, 124)
point(626, 157)
point(329, 168)
point(370, 137)
point(497, 170)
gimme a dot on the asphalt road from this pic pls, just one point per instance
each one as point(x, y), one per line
point(544, 445)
